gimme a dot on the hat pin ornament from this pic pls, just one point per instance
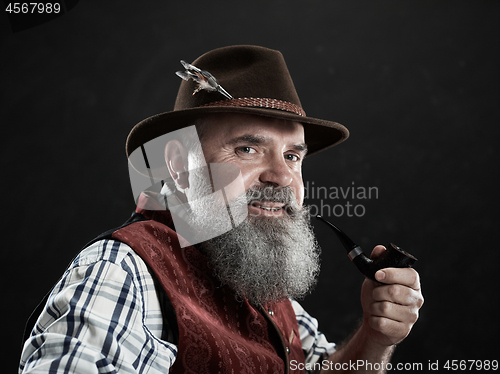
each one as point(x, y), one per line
point(205, 80)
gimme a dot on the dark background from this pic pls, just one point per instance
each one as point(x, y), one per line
point(416, 83)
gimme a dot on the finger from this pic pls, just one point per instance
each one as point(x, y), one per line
point(377, 251)
point(405, 276)
point(398, 294)
point(393, 329)
point(395, 312)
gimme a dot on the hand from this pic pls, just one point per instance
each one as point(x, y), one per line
point(390, 309)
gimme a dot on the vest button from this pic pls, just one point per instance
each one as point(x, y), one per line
point(287, 350)
point(271, 313)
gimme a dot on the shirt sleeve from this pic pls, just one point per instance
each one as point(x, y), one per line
point(314, 344)
point(103, 316)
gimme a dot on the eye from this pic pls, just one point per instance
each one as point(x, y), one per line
point(292, 157)
point(246, 149)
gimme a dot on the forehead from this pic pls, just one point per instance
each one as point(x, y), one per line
point(228, 125)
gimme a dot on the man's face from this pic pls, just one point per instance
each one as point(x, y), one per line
point(272, 254)
point(268, 152)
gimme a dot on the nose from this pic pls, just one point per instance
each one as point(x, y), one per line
point(276, 172)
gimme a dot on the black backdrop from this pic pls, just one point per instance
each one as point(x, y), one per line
point(415, 82)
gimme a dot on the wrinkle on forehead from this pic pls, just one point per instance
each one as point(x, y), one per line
point(220, 124)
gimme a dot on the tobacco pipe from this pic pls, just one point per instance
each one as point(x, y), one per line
point(393, 256)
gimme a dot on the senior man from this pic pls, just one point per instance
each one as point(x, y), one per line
point(204, 277)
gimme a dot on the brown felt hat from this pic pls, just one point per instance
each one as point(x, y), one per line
point(257, 82)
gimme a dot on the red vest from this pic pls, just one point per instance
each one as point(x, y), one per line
point(217, 333)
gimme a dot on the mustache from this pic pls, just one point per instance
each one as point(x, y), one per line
point(283, 194)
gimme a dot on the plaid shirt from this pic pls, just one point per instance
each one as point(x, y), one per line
point(104, 316)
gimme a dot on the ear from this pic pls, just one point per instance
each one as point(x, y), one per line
point(177, 163)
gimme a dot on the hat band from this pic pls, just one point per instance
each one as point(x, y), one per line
point(261, 103)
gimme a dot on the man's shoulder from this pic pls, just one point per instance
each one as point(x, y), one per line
point(107, 249)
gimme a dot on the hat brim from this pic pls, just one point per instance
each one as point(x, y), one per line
point(319, 134)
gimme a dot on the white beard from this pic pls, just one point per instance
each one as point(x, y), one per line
point(264, 259)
